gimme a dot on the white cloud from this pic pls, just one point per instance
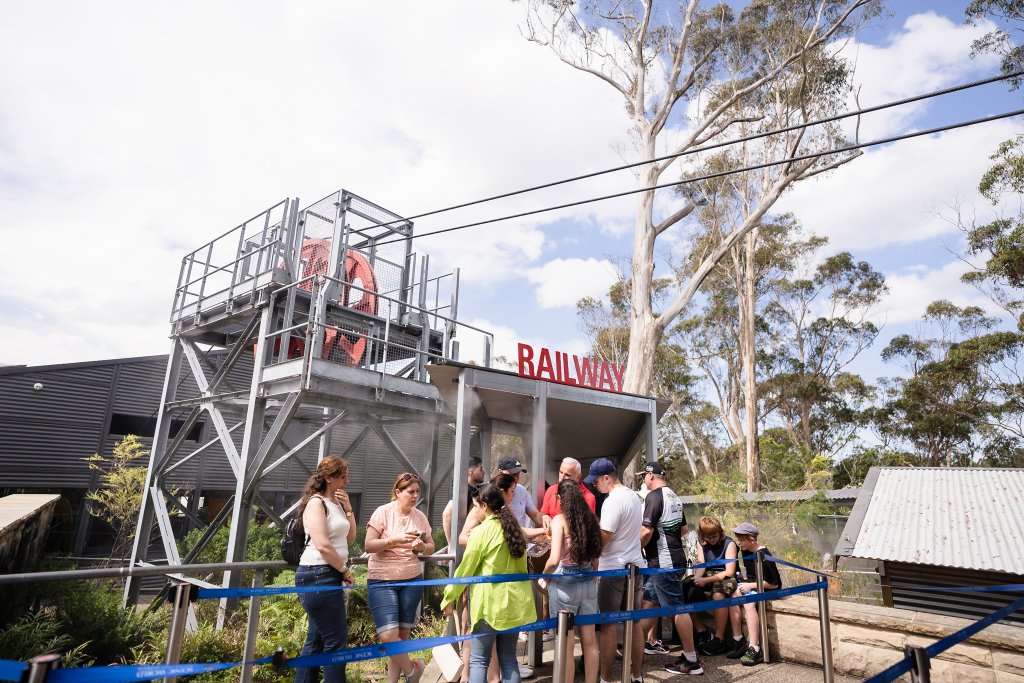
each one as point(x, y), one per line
point(898, 194)
point(131, 134)
point(928, 52)
point(913, 288)
point(562, 282)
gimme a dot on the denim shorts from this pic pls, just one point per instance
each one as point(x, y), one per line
point(665, 589)
point(575, 594)
point(393, 606)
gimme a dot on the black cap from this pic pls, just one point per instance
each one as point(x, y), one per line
point(511, 465)
point(655, 468)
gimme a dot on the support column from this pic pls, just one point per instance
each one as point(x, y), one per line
point(140, 547)
point(241, 512)
point(463, 423)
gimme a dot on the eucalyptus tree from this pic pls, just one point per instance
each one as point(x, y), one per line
point(820, 324)
point(691, 75)
point(961, 396)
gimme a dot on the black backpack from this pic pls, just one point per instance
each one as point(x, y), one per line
point(295, 539)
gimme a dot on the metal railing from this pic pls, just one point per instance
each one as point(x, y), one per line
point(184, 594)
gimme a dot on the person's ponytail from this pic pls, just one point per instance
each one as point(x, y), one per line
point(513, 533)
point(491, 496)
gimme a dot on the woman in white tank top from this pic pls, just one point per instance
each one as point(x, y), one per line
point(330, 525)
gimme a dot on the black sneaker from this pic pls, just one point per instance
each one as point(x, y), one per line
point(737, 648)
point(711, 646)
point(752, 657)
point(655, 648)
point(703, 636)
point(685, 666)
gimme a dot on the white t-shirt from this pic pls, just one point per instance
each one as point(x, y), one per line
point(337, 530)
point(521, 502)
point(622, 514)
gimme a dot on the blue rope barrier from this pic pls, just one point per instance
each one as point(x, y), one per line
point(463, 580)
point(940, 646)
point(11, 670)
point(705, 606)
point(137, 672)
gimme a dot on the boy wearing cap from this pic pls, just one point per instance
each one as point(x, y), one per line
point(748, 650)
point(523, 507)
point(661, 536)
point(621, 517)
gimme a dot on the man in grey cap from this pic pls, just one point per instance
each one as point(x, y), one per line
point(621, 517)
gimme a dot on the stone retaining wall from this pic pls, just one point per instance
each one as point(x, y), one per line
point(867, 639)
point(24, 524)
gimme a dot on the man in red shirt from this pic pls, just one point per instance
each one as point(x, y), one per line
point(570, 468)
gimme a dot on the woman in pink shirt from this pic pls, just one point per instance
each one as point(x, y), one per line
point(396, 535)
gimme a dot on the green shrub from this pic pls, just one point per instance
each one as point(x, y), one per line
point(86, 623)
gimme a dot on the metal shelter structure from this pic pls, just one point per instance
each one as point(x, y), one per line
point(338, 319)
point(553, 420)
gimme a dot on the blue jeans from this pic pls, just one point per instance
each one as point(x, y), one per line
point(480, 654)
point(328, 621)
point(393, 606)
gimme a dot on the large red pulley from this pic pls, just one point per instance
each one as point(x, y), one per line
point(358, 291)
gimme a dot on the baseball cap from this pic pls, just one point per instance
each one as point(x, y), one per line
point(745, 529)
point(599, 468)
point(511, 465)
point(654, 468)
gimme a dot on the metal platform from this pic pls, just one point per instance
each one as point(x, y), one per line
point(339, 319)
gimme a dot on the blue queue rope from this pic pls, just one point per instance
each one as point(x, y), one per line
point(137, 672)
point(11, 670)
point(205, 593)
point(940, 646)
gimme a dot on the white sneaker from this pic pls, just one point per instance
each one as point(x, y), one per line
point(548, 635)
point(524, 636)
point(525, 671)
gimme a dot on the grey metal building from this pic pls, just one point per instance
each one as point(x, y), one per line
point(52, 416)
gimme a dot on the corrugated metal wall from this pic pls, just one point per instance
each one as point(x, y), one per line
point(902, 578)
point(65, 422)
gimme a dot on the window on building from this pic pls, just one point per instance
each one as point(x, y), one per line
point(122, 425)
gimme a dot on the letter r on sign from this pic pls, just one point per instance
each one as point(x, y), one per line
point(526, 368)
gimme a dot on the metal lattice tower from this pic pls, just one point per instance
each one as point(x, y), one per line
point(339, 319)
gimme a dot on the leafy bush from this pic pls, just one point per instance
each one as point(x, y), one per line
point(86, 623)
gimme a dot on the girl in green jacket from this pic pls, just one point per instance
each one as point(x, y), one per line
point(497, 546)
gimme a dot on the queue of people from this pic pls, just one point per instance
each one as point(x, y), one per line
point(502, 526)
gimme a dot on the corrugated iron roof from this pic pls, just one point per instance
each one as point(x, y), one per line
point(968, 518)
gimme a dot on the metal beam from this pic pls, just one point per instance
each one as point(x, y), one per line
point(270, 442)
point(302, 444)
point(393, 446)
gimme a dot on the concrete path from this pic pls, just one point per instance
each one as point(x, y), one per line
point(716, 670)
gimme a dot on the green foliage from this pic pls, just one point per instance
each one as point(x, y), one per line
point(36, 633)
point(264, 545)
point(118, 498)
point(851, 471)
point(787, 467)
point(84, 622)
point(999, 41)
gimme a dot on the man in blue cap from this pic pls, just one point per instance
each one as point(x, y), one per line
point(621, 516)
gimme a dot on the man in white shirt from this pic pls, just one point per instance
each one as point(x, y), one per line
point(621, 518)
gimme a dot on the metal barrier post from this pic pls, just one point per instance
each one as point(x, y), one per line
point(628, 626)
point(39, 667)
point(251, 629)
point(565, 620)
point(828, 671)
point(920, 664)
point(179, 616)
point(762, 606)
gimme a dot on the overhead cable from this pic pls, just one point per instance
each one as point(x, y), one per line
point(705, 148)
point(687, 181)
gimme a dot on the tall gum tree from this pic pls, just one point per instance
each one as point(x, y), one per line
point(691, 75)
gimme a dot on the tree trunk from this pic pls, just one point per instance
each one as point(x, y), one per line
point(748, 352)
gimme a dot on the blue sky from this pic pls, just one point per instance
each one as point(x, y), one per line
point(130, 134)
